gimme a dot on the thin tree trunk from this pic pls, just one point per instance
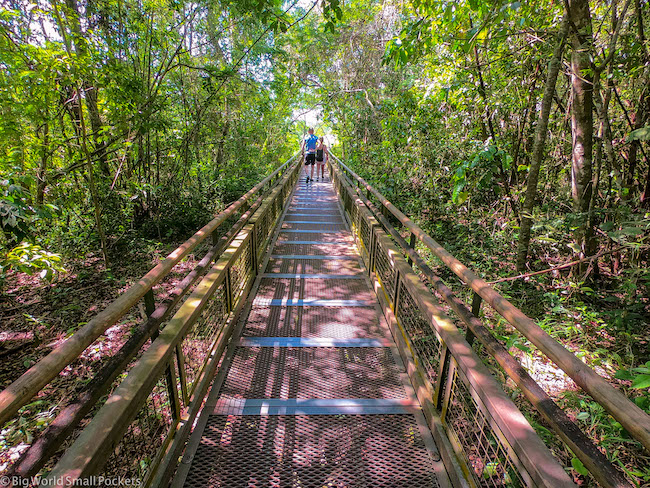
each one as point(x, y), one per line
point(582, 123)
point(42, 168)
point(93, 190)
point(538, 148)
point(77, 115)
point(89, 87)
point(644, 101)
point(521, 134)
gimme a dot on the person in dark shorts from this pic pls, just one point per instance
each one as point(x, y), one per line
point(322, 155)
point(308, 148)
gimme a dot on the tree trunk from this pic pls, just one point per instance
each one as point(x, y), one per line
point(538, 148)
point(42, 168)
point(89, 87)
point(582, 124)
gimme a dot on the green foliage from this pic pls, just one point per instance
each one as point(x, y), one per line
point(31, 258)
point(332, 14)
point(17, 214)
point(642, 134)
point(640, 377)
point(477, 175)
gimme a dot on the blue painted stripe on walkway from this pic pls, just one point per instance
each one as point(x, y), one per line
point(312, 222)
point(310, 302)
point(336, 243)
point(307, 256)
point(312, 214)
point(298, 406)
point(315, 231)
point(298, 276)
point(312, 342)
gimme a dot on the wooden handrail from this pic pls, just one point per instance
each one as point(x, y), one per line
point(22, 390)
point(94, 444)
point(530, 450)
point(635, 420)
point(89, 452)
point(580, 444)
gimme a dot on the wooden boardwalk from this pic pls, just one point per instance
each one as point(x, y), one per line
point(312, 392)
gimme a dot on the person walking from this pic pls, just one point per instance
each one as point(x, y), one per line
point(308, 149)
point(322, 156)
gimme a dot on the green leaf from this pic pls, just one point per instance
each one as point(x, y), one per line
point(623, 374)
point(579, 467)
point(641, 381)
point(607, 226)
point(642, 134)
point(574, 247)
point(462, 197)
point(490, 470)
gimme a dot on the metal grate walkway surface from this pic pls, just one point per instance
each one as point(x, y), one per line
point(313, 392)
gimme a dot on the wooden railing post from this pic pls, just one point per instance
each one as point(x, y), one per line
point(228, 285)
point(372, 252)
point(253, 244)
point(443, 371)
point(476, 308)
point(180, 360)
point(172, 390)
point(149, 303)
point(412, 242)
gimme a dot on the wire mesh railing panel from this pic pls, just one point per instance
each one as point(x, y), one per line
point(422, 337)
point(276, 206)
point(347, 205)
point(385, 270)
point(379, 451)
point(485, 453)
point(198, 342)
point(241, 270)
point(354, 216)
point(262, 230)
point(365, 233)
point(147, 433)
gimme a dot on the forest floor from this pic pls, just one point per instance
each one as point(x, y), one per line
point(37, 316)
point(604, 322)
